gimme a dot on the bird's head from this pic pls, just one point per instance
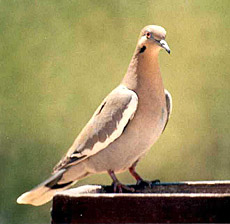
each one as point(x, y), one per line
point(153, 37)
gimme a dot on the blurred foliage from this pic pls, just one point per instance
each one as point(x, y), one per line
point(59, 59)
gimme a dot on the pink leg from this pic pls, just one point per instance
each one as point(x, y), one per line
point(133, 172)
point(117, 184)
point(138, 178)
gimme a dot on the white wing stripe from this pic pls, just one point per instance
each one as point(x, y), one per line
point(127, 115)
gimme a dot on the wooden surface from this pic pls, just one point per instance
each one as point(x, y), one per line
point(187, 202)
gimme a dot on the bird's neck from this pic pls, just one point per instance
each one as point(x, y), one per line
point(143, 71)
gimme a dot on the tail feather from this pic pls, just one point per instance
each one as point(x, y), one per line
point(45, 191)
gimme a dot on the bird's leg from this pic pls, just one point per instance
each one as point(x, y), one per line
point(133, 172)
point(138, 178)
point(117, 184)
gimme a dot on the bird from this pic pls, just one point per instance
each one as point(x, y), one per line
point(123, 128)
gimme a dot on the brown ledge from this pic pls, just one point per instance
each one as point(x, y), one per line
point(183, 202)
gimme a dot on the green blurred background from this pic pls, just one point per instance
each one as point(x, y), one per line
point(59, 59)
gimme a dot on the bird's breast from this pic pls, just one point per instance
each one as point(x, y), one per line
point(150, 117)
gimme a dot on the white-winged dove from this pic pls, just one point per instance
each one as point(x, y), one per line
point(123, 128)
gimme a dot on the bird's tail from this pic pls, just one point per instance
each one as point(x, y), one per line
point(45, 191)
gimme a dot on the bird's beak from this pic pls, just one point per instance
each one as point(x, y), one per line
point(164, 45)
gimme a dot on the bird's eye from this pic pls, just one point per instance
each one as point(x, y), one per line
point(148, 35)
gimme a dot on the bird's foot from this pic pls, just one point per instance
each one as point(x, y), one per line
point(145, 183)
point(119, 187)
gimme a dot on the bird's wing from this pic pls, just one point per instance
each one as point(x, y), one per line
point(105, 126)
point(168, 98)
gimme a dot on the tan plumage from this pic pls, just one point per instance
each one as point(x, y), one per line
point(123, 128)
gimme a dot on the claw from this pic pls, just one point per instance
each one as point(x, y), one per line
point(117, 185)
point(140, 181)
point(121, 187)
point(146, 183)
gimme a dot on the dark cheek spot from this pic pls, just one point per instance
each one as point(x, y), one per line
point(142, 49)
